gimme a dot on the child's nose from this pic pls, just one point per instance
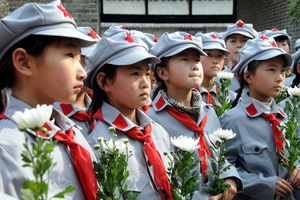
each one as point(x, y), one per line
point(81, 72)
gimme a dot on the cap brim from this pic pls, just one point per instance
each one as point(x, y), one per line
point(179, 48)
point(213, 46)
point(274, 53)
point(244, 33)
point(84, 40)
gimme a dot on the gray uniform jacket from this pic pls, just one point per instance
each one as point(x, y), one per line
point(13, 174)
point(70, 109)
point(213, 92)
point(141, 177)
point(253, 150)
point(176, 128)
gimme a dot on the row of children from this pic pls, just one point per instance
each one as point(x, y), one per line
point(41, 63)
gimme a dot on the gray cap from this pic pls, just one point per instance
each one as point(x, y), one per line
point(89, 32)
point(120, 49)
point(174, 43)
point(211, 41)
point(148, 38)
point(261, 48)
point(114, 30)
point(39, 19)
point(240, 28)
point(276, 33)
point(297, 44)
point(296, 61)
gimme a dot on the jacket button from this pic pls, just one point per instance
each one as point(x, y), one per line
point(256, 149)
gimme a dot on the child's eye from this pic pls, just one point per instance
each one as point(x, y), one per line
point(147, 73)
point(70, 55)
point(271, 69)
point(135, 74)
point(184, 59)
point(208, 54)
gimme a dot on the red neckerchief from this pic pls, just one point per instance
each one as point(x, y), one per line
point(85, 117)
point(209, 98)
point(2, 116)
point(188, 122)
point(160, 174)
point(82, 162)
point(276, 132)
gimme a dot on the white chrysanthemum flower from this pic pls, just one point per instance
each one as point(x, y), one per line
point(33, 118)
point(295, 92)
point(224, 134)
point(109, 146)
point(225, 75)
point(185, 143)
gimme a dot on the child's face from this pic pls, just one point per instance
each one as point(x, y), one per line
point(234, 43)
point(267, 80)
point(184, 70)
point(130, 88)
point(57, 74)
point(213, 63)
point(284, 45)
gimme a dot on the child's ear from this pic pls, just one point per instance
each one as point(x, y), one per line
point(162, 73)
point(298, 68)
point(21, 61)
point(247, 77)
point(102, 83)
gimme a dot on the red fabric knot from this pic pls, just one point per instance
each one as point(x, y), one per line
point(188, 122)
point(276, 132)
point(160, 174)
point(210, 99)
point(82, 162)
point(85, 117)
point(2, 116)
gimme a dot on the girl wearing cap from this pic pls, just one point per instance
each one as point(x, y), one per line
point(235, 38)
point(118, 73)
point(40, 63)
point(255, 148)
point(212, 65)
point(77, 111)
point(177, 106)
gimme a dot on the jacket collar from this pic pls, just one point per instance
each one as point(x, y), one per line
point(71, 109)
point(115, 118)
point(63, 123)
point(255, 108)
point(213, 89)
point(160, 103)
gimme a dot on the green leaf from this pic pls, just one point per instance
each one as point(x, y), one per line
point(68, 189)
point(27, 194)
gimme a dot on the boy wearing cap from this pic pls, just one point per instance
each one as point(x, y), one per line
point(77, 111)
point(40, 62)
point(118, 73)
point(283, 41)
point(212, 65)
point(255, 149)
point(235, 38)
point(178, 107)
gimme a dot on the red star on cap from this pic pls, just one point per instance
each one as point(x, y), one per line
point(214, 36)
point(155, 39)
point(93, 34)
point(263, 37)
point(274, 30)
point(66, 14)
point(274, 44)
point(122, 27)
point(240, 24)
point(188, 37)
point(129, 38)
